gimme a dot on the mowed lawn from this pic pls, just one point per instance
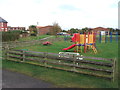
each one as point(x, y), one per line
point(63, 78)
point(105, 50)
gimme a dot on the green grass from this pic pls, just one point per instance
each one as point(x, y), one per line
point(58, 77)
point(105, 50)
point(62, 78)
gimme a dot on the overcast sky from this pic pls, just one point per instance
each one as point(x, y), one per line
point(67, 13)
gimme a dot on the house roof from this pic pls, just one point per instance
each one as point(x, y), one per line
point(2, 20)
point(100, 28)
point(44, 26)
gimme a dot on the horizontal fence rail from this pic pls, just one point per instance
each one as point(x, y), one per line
point(102, 67)
point(30, 53)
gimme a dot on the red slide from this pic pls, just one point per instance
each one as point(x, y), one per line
point(69, 47)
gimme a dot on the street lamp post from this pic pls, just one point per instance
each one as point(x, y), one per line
point(37, 28)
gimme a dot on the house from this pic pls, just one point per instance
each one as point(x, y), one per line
point(15, 28)
point(42, 30)
point(98, 29)
point(4, 27)
point(3, 24)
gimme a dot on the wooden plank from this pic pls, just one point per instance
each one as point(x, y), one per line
point(114, 69)
point(96, 58)
point(35, 52)
point(81, 72)
point(17, 57)
point(66, 59)
point(71, 65)
point(82, 61)
point(54, 54)
point(96, 63)
point(34, 55)
point(15, 53)
point(16, 50)
point(71, 59)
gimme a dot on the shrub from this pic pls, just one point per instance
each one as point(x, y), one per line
point(11, 35)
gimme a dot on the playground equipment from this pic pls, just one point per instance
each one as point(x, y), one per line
point(47, 43)
point(104, 36)
point(87, 40)
point(66, 37)
point(71, 55)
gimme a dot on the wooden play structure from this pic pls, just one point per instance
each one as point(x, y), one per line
point(86, 40)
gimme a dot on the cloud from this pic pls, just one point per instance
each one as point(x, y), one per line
point(68, 8)
point(68, 13)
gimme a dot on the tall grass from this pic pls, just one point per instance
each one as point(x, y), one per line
point(11, 35)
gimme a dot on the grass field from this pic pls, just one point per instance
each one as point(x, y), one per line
point(62, 78)
point(105, 50)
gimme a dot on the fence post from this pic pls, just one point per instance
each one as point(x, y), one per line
point(114, 68)
point(6, 52)
point(45, 57)
point(116, 36)
point(74, 61)
point(100, 37)
point(111, 37)
point(23, 56)
point(106, 38)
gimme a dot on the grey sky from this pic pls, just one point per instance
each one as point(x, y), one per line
point(68, 13)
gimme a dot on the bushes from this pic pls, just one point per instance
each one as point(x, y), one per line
point(10, 35)
point(33, 30)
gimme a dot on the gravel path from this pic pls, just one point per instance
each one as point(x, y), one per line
point(17, 80)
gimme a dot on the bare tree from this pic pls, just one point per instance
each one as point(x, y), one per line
point(55, 29)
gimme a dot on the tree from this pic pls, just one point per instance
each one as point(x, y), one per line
point(64, 31)
point(55, 29)
point(72, 30)
point(33, 30)
point(111, 29)
point(118, 30)
point(86, 29)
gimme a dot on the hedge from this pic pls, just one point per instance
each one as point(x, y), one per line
point(11, 35)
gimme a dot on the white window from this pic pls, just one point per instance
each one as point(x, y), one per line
point(2, 24)
point(6, 29)
point(102, 32)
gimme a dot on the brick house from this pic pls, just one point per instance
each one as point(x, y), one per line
point(15, 28)
point(42, 30)
point(4, 27)
point(98, 29)
point(3, 24)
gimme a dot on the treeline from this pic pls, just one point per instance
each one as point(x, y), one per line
point(11, 35)
point(86, 29)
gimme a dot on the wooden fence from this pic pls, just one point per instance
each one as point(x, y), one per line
point(14, 44)
point(99, 67)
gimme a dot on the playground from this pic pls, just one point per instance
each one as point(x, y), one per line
point(63, 78)
point(105, 50)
